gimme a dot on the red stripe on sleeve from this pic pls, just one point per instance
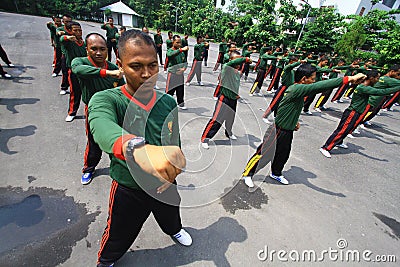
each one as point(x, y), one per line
point(103, 73)
point(346, 79)
point(117, 147)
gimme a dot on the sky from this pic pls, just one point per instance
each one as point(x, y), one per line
point(346, 7)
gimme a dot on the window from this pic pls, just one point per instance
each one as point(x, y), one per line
point(389, 3)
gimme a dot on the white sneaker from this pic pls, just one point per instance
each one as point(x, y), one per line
point(183, 237)
point(187, 84)
point(251, 94)
point(201, 83)
point(63, 92)
point(215, 98)
point(165, 72)
point(317, 110)
point(280, 179)
point(205, 145)
point(248, 181)
point(362, 126)
point(269, 92)
point(335, 102)
point(11, 65)
point(340, 101)
point(308, 112)
point(259, 94)
point(266, 120)
point(69, 118)
point(54, 75)
point(367, 123)
point(182, 107)
point(325, 152)
point(346, 98)
point(233, 137)
point(350, 136)
point(6, 75)
point(356, 131)
point(343, 145)
point(156, 87)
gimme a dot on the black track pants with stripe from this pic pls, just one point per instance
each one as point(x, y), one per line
point(128, 210)
point(346, 125)
point(225, 110)
point(93, 152)
point(276, 147)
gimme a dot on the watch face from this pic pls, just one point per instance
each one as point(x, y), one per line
point(136, 142)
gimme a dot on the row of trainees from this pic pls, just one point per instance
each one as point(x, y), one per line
point(136, 148)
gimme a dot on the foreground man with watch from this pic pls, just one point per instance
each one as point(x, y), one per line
point(138, 127)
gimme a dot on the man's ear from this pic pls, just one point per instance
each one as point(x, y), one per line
point(302, 80)
point(119, 64)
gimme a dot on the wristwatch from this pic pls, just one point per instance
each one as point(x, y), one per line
point(135, 142)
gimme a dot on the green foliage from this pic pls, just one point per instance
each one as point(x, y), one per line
point(351, 41)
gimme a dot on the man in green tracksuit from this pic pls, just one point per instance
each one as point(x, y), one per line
point(287, 80)
point(197, 61)
point(74, 47)
point(139, 128)
point(159, 41)
point(177, 66)
point(225, 108)
point(278, 138)
point(111, 31)
point(247, 50)
point(168, 42)
point(95, 74)
point(221, 51)
point(262, 69)
point(355, 113)
point(55, 42)
point(60, 31)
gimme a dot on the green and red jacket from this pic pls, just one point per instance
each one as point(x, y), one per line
point(115, 117)
point(287, 78)
point(111, 31)
point(384, 82)
point(230, 78)
point(198, 51)
point(158, 39)
point(361, 95)
point(292, 103)
point(176, 60)
point(92, 78)
point(72, 49)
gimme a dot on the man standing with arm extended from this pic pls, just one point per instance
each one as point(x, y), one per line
point(60, 31)
point(277, 141)
point(95, 74)
point(111, 31)
point(138, 127)
point(74, 47)
point(198, 59)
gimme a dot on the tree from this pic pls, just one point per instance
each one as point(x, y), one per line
point(351, 41)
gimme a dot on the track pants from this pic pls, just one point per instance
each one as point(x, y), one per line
point(159, 52)
point(273, 106)
point(110, 47)
point(219, 60)
point(57, 63)
point(346, 125)
point(128, 210)
point(65, 75)
point(275, 80)
point(225, 110)
point(93, 152)
point(75, 94)
point(196, 69)
point(258, 82)
point(323, 98)
point(175, 84)
point(391, 100)
point(339, 93)
point(275, 147)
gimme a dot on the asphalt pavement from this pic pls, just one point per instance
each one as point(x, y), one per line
point(332, 210)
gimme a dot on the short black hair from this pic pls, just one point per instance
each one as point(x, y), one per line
point(110, 18)
point(94, 33)
point(139, 37)
point(304, 70)
point(372, 74)
point(293, 58)
point(176, 36)
point(199, 37)
point(123, 28)
point(73, 23)
point(169, 32)
point(395, 67)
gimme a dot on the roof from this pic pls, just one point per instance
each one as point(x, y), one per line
point(120, 7)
